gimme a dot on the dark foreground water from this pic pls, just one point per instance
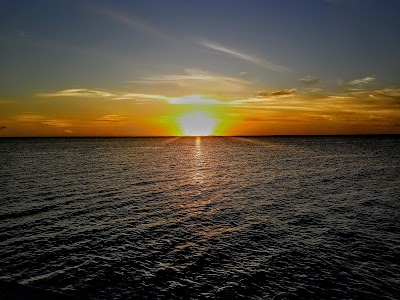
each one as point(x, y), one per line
point(209, 218)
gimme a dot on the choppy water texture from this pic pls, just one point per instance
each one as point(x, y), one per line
point(208, 218)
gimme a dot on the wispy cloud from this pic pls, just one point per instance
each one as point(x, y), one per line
point(112, 118)
point(340, 97)
point(132, 22)
point(246, 100)
point(313, 90)
point(56, 123)
point(77, 93)
point(29, 117)
point(90, 93)
point(138, 97)
point(195, 81)
point(194, 99)
point(280, 93)
point(310, 80)
point(389, 93)
point(370, 100)
point(190, 74)
point(243, 56)
point(135, 96)
point(362, 81)
point(263, 96)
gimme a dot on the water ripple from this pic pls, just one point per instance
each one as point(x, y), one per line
point(209, 218)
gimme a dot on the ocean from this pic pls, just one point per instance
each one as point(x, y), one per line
point(307, 217)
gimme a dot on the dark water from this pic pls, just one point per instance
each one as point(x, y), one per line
point(209, 218)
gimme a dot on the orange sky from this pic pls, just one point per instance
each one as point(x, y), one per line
point(88, 113)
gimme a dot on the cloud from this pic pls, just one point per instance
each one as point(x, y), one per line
point(132, 22)
point(263, 95)
point(389, 93)
point(387, 97)
point(68, 131)
point(89, 93)
point(194, 99)
point(362, 81)
point(78, 93)
point(56, 123)
point(310, 80)
point(28, 117)
point(280, 93)
point(340, 97)
point(191, 74)
point(196, 81)
point(243, 56)
point(313, 90)
point(132, 96)
point(112, 118)
point(247, 100)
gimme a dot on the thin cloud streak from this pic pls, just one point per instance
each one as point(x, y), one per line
point(90, 93)
point(194, 99)
point(310, 80)
point(191, 75)
point(77, 93)
point(233, 53)
point(30, 117)
point(280, 93)
point(112, 118)
point(132, 96)
point(263, 96)
point(57, 123)
point(196, 81)
point(133, 22)
point(390, 93)
point(362, 81)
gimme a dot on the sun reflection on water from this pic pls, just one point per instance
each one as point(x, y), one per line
point(198, 167)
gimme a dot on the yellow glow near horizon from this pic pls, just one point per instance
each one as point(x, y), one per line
point(197, 124)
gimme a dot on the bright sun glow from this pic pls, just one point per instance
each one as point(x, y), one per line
point(197, 124)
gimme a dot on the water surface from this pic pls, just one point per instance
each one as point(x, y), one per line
point(203, 218)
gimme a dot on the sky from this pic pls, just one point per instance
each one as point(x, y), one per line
point(210, 67)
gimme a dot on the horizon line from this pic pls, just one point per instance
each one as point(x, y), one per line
point(206, 136)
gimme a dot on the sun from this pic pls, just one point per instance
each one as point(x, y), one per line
point(197, 124)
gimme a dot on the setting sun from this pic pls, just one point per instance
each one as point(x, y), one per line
point(197, 124)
